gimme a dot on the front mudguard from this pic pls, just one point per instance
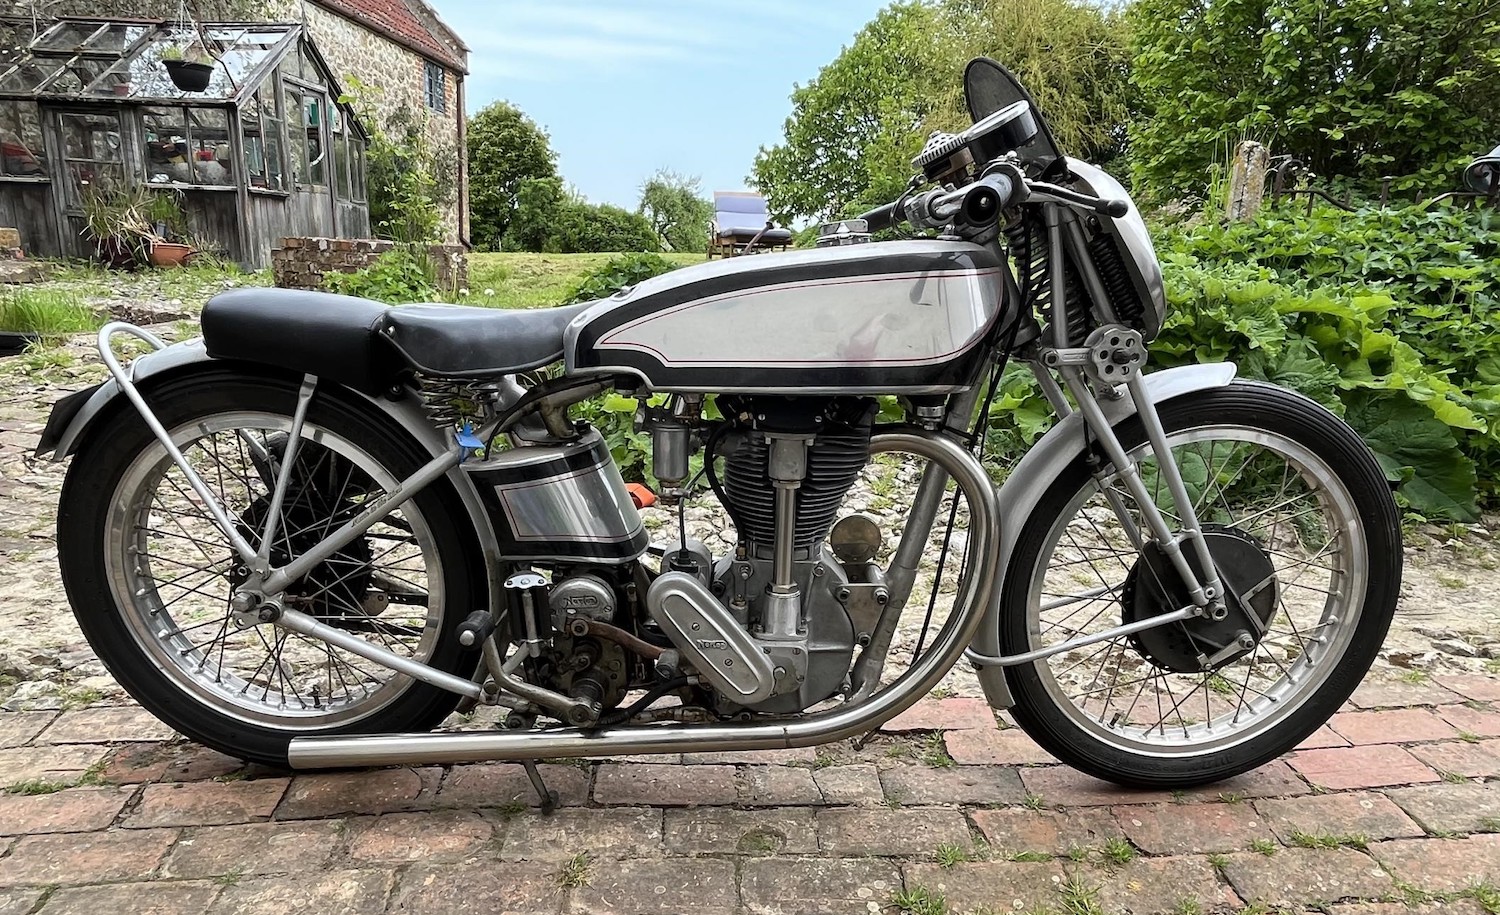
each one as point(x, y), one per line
point(1032, 476)
point(73, 416)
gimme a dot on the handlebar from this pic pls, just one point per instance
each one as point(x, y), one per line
point(977, 204)
point(981, 203)
point(882, 217)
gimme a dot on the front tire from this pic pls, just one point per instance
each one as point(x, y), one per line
point(1289, 478)
point(149, 575)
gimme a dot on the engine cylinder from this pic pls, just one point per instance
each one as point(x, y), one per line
point(840, 449)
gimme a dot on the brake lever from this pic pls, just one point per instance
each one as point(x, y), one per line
point(1111, 208)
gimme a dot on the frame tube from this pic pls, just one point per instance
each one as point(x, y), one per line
point(284, 478)
point(1171, 544)
point(1011, 660)
point(280, 579)
point(299, 622)
point(975, 593)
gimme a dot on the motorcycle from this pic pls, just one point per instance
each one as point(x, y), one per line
point(310, 536)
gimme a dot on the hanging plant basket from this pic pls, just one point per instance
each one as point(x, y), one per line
point(189, 75)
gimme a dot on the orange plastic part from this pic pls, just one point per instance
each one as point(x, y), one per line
point(641, 495)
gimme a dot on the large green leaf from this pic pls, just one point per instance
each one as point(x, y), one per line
point(1417, 450)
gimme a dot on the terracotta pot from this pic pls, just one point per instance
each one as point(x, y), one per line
point(170, 254)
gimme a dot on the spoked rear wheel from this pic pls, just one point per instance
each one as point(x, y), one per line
point(1302, 526)
point(149, 574)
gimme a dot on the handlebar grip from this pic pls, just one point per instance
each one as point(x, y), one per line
point(986, 199)
point(882, 217)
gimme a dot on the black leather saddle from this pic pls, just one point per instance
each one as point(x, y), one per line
point(369, 345)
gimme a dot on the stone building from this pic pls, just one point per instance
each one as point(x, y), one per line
point(410, 62)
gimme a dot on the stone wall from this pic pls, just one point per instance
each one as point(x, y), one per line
point(301, 263)
point(10, 244)
point(14, 267)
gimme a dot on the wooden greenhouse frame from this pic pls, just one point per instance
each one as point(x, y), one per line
point(267, 150)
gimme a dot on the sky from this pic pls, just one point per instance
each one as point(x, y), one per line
point(625, 87)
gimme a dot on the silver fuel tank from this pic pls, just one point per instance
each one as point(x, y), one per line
point(899, 317)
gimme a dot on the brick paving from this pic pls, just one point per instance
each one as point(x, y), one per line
point(1393, 808)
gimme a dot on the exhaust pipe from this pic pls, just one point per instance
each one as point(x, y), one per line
point(838, 724)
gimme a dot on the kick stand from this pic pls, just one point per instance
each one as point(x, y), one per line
point(547, 797)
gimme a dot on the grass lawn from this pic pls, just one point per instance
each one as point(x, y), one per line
point(536, 280)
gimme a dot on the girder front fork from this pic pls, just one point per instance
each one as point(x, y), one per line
point(1207, 595)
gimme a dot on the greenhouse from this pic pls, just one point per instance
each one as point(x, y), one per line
point(119, 135)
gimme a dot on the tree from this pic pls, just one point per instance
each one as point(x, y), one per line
point(858, 119)
point(856, 127)
point(674, 206)
point(1357, 89)
point(539, 201)
point(1073, 57)
point(506, 148)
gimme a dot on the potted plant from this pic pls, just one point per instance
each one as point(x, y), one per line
point(30, 316)
point(115, 219)
point(190, 70)
point(163, 212)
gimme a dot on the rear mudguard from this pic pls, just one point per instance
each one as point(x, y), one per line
point(1024, 488)
point(70, 424)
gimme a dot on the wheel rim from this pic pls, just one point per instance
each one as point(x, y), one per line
point(1303, 516)
point(169, 568)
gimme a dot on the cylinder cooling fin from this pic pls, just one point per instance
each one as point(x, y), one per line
point(839, 429)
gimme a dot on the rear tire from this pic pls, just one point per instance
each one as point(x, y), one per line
point(1057, 705)
point(117, 583)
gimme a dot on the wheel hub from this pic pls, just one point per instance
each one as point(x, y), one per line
point(1202, 643)
point(337, 588)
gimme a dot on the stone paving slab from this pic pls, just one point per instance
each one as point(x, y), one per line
point(1378, 814)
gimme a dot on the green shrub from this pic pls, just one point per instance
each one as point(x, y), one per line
point(1329, 344)
point(584, 227)
point(619, 272)
point(1388, 318)
point(46, 312)
point(548, 218)
point(1376, 307)
point(401, 275)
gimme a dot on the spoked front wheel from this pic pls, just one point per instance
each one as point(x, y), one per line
point(1302, 527)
